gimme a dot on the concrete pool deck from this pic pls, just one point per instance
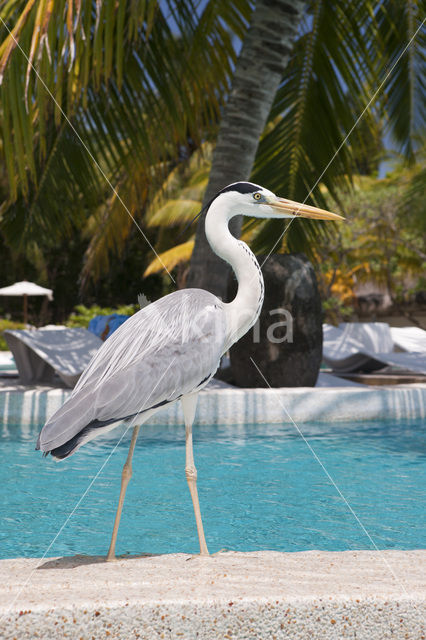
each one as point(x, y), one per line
point(266, 594)
point(222, 404)
point(362, 595)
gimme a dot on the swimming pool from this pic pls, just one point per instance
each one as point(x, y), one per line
point(260, 487)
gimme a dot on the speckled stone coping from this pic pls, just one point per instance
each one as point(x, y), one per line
point(312, 595)
point(20, 405)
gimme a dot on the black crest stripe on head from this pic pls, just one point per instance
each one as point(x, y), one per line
point(241, 187)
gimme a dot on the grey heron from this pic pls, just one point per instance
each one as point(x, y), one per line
point(169, 350)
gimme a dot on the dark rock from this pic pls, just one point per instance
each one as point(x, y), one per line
point(286, 342)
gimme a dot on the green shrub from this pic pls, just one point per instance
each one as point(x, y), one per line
point(8, 324)
point(83, 315)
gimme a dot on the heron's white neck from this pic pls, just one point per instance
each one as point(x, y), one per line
point(244, 310)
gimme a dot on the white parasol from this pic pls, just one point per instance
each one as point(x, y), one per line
point(26, 289)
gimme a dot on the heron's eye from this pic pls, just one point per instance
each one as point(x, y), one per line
point(257, 196)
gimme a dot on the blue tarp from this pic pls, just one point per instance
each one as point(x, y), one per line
point(104, 326)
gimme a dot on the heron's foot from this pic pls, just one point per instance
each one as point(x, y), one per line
point(216, 553)
point(210, 555)
point(110, 558)
point(196, 556)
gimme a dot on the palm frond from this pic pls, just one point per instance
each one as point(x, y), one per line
point(301, 155)
point(404, 90)
point(412, 205)
point(136, 91)
point(174, 212)
point(109, 228)
point(171, 258)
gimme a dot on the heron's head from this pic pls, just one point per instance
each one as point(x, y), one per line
point(250, 199)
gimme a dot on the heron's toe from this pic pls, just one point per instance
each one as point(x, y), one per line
point(196, 556)
point(110, 559)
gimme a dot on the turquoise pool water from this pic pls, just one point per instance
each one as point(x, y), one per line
point(260, 488)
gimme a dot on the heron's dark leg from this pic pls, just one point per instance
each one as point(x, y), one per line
point(189, 404)
point(126, 474)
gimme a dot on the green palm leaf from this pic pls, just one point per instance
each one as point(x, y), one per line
point(311, 115)
point(403, 34)
point(135, 90)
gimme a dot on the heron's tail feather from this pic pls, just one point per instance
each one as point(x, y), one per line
point(68, 448)
point(67, 423)
point(89, 432)
point(75, 423)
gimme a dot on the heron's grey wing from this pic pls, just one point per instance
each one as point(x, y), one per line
point(164, 351)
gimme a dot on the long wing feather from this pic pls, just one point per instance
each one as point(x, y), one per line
point(164, 351)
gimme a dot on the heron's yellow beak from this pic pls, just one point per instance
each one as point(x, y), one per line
point(297, 209)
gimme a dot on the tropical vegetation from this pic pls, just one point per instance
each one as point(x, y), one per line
point(109, 114)
point(384, 245)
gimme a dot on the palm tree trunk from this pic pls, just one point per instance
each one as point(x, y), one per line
point(258, 72)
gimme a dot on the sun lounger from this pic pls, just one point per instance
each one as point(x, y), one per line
point(410, 362)
point(409, 338)
point(42, 353)
point(369, 346)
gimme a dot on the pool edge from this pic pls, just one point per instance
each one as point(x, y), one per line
point(247, 406)
point(377, 594)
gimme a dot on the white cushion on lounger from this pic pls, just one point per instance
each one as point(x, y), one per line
point(366, 345)
point(409, 338)
point(41, 353)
